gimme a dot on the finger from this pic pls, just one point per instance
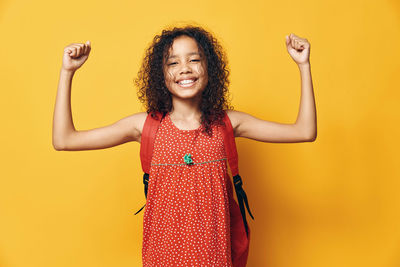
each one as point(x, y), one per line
point(71, 51)
point(88, 45)
point(84, 49)
point(291, 39)
point(75, 45)
point(300, 45)
point(79, 48)
point(68, 50)
point(287, 40)
point(296, 36)
point(302, 40)
point(70, 46)
point(297, 44)
point(75, 50)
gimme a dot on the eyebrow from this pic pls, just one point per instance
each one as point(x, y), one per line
point(189, 54)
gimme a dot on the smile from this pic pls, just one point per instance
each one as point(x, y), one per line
point(187, 83)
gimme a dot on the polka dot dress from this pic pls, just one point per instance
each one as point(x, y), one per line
point(186, 218)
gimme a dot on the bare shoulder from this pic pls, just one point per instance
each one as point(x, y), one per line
point(137, 121)
point(234, 117)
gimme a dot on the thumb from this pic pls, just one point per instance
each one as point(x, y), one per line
point(287, 40)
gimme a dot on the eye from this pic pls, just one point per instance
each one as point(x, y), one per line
point(195, 60)
point(172, 63)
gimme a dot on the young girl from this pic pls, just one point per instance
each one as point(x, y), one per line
point(185, 77)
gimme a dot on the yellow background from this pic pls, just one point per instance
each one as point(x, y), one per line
point(333, 202)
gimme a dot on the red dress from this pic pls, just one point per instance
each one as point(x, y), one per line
point(186, 218)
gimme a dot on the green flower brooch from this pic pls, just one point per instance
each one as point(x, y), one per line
point(187, 159)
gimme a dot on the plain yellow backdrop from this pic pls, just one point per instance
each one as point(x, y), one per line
point(333, 202)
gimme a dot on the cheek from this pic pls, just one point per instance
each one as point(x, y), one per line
point(200, 69)
point(169, 76)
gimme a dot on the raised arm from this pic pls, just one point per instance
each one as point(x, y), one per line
point(65, 136)
point(248, 126)
point(305, 127)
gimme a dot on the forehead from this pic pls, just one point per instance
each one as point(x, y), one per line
point(182, 46)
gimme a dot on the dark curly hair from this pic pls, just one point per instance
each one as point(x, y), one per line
point(150, 80)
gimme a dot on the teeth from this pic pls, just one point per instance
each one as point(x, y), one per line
point(186, 81)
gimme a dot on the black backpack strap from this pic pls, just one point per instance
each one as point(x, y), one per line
point(242, 198)
point(146, 184)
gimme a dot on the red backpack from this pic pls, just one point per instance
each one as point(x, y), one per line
point(240, 232)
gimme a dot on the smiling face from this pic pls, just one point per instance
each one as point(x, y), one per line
point(185, 70)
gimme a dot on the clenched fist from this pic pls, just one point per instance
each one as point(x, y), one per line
point(298, 48)
point(75, 55)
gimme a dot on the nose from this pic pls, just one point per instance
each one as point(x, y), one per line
point(185, 68)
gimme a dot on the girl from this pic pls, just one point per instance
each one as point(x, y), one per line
point(185, 77)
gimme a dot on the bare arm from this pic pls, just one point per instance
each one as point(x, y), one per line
point(305, 127)
point(65, 136)
point(248, 126)
point(306, 120)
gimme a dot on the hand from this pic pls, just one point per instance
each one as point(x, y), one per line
point(75, 55)
point(298, 48)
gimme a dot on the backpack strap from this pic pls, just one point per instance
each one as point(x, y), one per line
point(148, 137)
point(231, 152)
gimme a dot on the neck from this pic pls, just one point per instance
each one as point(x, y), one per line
point(186, 109)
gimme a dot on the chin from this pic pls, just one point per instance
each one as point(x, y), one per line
point(187, 96)
point(186, 93)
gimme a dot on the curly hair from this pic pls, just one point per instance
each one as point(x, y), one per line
point(151, 84)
